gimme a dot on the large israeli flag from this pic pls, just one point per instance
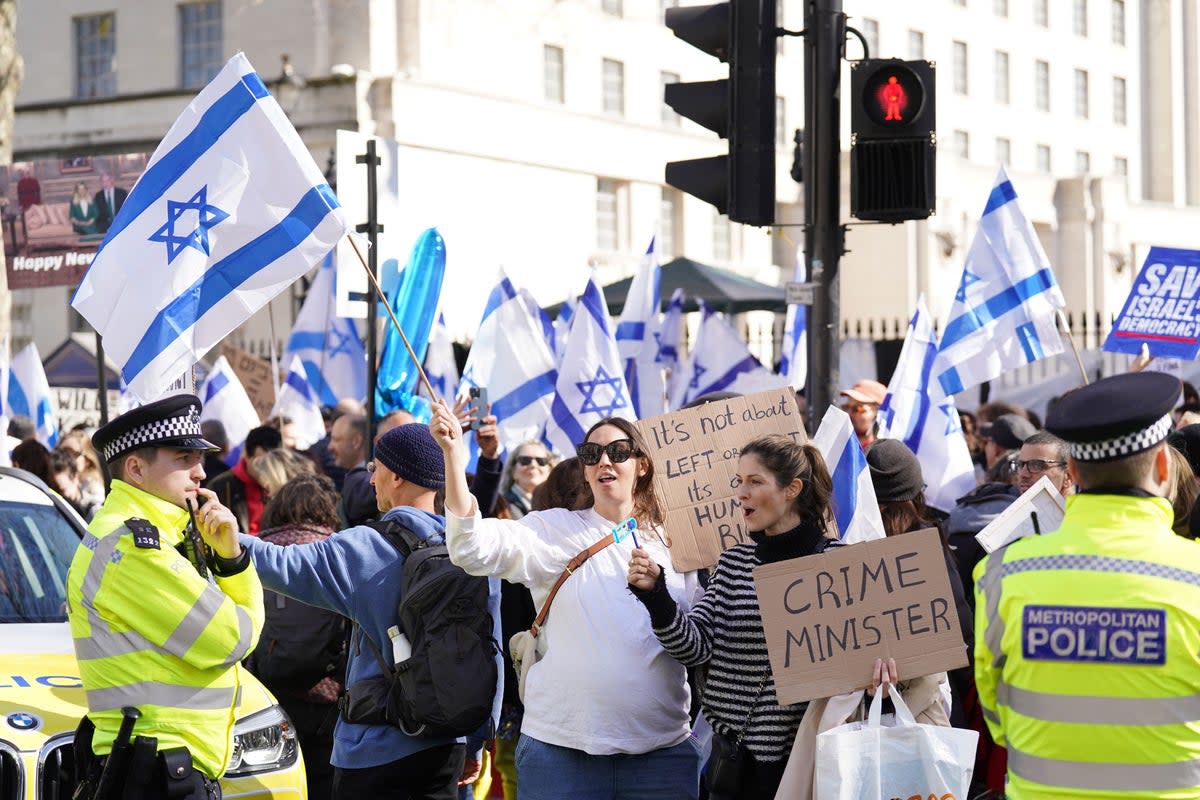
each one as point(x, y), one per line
point(329, 347)
point(297, 401)
point(29, 394)
point(226, 401)
point(854, 505)
point(591, 384)
point(637, 338)
point(1004, 312)
point(720, 361)
point(920, 414)
point(440, 366)
point(230, 211)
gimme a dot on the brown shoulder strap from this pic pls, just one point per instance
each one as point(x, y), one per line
point(572, 565)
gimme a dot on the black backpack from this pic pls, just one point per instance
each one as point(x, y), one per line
point(446, 687)
point(299, 645)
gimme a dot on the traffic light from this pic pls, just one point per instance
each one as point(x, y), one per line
point(740, 108)
point(893, 140)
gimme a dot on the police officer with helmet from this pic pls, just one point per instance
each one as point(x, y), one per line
point(161, 612)
point(1087, 651)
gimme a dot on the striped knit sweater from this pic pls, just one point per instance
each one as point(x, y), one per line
point(724, 630)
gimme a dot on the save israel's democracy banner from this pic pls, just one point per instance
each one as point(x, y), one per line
point(1163, 307)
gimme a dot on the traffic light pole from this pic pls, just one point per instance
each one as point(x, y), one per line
point(824, 26)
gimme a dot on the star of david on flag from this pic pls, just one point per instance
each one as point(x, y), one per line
point(609, 388)
point(230, 211)
point(329, 346)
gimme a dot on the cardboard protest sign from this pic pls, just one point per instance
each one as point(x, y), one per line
point(255, 375)
point(695, 454)
point(1163, 309)
point(828, 617)
point(1039, 510)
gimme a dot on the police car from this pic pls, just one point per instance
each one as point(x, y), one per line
point(41, 696)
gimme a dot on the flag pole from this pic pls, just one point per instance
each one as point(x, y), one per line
point(395, 323)
point(1066, 327)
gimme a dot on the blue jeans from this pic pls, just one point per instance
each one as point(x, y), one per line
point(549, 772)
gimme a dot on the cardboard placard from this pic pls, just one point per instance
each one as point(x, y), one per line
point(255, 375)
point(828, 617)
point(695, 454)
point(1039, 510)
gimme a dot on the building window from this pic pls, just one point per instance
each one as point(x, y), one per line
point(1119, 114)
point(552, 74)
point(1043, 158)
point(1041, 85)
point(1118, 21)
point(1001, 77)
point(1083, 162)
point(614, 86)
point(669, 117)
point(781, 130)
point(668, 223)
point(606, 214)
point(1121, 166)
point(1003, 150)
point(95, 54)
point(1079, 21)
point(960, 67)
point(1000, 8)
point(1041, 13)
point(614, 7)
point(200, 45)
point(962, 144)
point(722, 237)
point(916, 45)
point(870, 32)
point(1081, 93)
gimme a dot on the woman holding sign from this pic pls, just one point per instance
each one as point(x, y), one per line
point(606, 709)
point(784, 490)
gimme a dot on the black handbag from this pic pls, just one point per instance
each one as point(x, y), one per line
point(727, 763)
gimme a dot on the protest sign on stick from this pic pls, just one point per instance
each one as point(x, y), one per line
point(695, 454)
point(1039, 510)
point(1163, 307)
point(828, 617)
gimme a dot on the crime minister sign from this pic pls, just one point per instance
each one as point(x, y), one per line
point(1163, 308)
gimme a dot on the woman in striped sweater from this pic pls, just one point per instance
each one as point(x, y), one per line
point(784, 490)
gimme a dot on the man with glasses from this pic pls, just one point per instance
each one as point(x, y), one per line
point(1043, 453)
point(862, 404)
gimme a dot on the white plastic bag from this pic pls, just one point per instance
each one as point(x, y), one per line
point(866, 759)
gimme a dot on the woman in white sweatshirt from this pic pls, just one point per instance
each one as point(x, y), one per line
point(606, 708)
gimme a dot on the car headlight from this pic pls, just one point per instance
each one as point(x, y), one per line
point(262, 742)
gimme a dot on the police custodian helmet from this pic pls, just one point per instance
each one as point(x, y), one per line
point(1116, 417)
point(170, 422)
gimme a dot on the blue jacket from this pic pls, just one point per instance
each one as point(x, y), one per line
point(356, 573)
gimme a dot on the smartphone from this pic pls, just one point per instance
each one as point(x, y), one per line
point(479, 405)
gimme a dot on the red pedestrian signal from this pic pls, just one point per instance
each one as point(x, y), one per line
point(892, 97)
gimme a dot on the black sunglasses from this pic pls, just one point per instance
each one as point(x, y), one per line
point(618, 451)
point(525, 461)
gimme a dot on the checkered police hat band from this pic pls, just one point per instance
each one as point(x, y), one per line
point(183, 425)
point(1122, 446)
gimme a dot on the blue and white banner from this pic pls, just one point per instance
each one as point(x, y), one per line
point(917, 412)
point(637, 338)
point(226, 401)
point(1004, 312)
point(230, 211)
point(329, 346)
point(297, 401)
point(1163, 309)
point(591, 383)
point(794, 363)
point(440, 366)
point(562, 327)
point(29, 394)
point(854, 504)
point(720, 361)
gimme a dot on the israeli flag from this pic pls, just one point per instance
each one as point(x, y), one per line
point(562, 327)
point(329, 347)
point(670, 345)
point(591, 384)
point(721, 362)
point(511, 359)
point(226, 401)
point(297, 401)
point(29, 394)
point(637, 338)
point(854, 505)
point(230, 211)
point(440, 366)
point(794, 363)
point(921, 415)
point(539, 315)
point(1004, 313)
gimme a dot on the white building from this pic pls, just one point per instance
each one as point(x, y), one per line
point(535, 133)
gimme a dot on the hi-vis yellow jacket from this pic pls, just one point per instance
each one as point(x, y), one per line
point(150, 632)
point(1087, 654)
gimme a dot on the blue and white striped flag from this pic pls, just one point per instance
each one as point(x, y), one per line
point(440, 366)
point(230, 211)
point(670, 345)
point(562, 327)
point(1004, 313)
point(29, 394)
point(917, 412)
point(329, 346)
point(226, 401)
point(794, 363)
point(591, 383)
point(721, 362)
point(637, 338)
point(854, 504)
point(511, 359)
point(539, 316)
point(297, 401)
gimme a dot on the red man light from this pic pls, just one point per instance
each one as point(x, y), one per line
point(892, 99)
